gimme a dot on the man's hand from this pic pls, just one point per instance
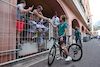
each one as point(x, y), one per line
point(46, 18)
point(61, 39)
point(30, 8)
point(48, 21)
point(44, 34)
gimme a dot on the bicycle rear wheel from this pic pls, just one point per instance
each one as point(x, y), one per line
point(51, 55)
point(75, 51)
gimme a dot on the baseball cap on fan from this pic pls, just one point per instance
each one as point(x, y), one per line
point(40, 7)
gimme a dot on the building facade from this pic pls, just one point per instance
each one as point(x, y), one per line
point(77, 11)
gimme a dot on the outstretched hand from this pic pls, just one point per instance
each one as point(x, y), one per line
point(46, 18)
point(30, 8)
point(48, 21)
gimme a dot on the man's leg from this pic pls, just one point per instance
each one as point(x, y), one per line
point(60, 53)
point(80, 42)
point(40, 48)
point(40, 44)
point(66, 51)
point(61, 57)
point(30, 34)
point(64, 48)
point(76, 40)
point(20, 27)
point(18, 37)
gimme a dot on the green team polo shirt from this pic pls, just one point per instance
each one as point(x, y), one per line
point(61, 28)
point(77, 32)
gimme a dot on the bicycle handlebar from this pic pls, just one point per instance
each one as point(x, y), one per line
point(54, 38)
point(58, 37)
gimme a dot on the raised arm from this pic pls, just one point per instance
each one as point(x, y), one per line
point(25, 10)
point(40, 16)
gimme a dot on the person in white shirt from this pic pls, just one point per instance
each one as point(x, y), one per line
point(55, 22)
point(98, 37)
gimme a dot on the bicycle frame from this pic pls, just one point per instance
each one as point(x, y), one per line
point(56, 45)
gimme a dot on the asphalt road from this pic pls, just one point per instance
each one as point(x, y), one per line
point(91, 57)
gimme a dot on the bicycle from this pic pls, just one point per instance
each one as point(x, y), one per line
point(72, 49)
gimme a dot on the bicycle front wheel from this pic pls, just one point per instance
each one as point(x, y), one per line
point(75, 51)
point(51, 55)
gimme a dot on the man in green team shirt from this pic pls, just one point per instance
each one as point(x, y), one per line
point(62, 30)
point(78, 35)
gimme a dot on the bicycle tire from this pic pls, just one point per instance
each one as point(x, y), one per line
point(50, 63)
point(80, 50)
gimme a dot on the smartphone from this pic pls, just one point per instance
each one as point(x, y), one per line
point(32, 6)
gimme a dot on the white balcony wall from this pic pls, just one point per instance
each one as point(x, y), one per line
point(81, 10)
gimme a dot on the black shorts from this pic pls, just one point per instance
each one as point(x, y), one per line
point(78, 39)
point(61, 42)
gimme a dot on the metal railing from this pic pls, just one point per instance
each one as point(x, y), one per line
point(9, 52)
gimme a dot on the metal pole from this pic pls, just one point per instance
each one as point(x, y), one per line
point(23, 58)
point(13, 55)
point(8, 3)
point(9, 50)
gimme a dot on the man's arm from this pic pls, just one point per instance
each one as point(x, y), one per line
point(52, 24)
point(65, 28)
point(65, 32)
point(25, 10)
point(80, 34)
point(40, 16)
point(61, 39)
point(57, 31)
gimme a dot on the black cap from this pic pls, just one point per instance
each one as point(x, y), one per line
point(55, 13)
point(40, 7)
point(22, 1)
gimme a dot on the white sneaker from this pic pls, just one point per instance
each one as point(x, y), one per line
point(56, 56)
point(59, 58)
point(68, 58)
